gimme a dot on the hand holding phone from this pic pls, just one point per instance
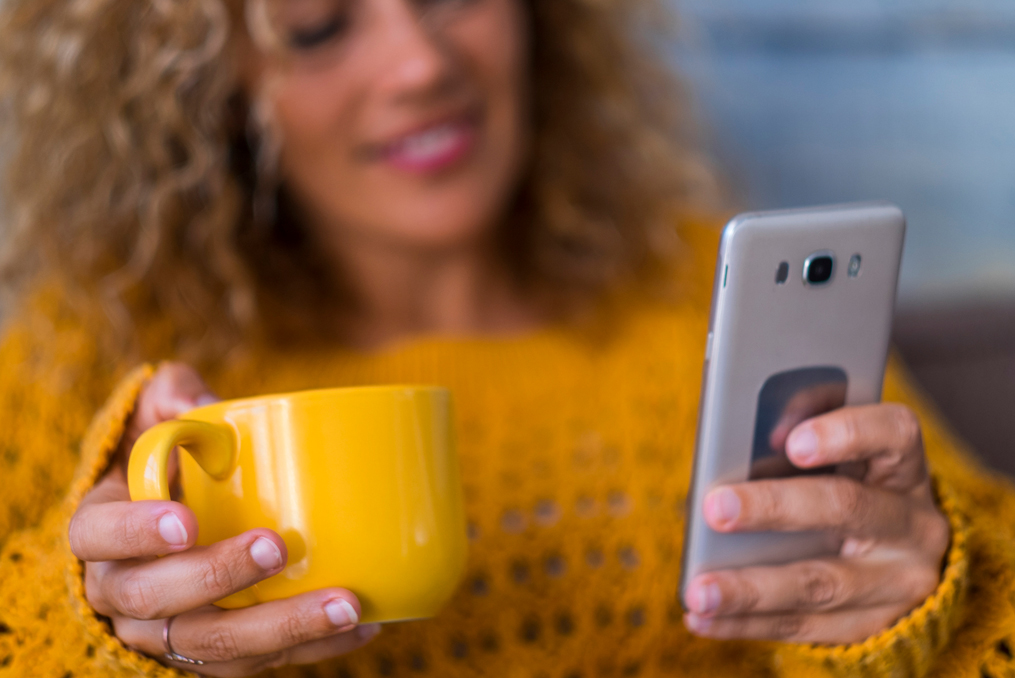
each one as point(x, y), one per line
point(893, 536)
point(811, 517)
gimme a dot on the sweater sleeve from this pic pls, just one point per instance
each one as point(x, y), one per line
point(971, 614)
point(47, 627)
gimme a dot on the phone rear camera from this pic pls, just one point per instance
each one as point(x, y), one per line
point(818, 269)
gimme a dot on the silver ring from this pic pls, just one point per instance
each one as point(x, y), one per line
point(173, 656)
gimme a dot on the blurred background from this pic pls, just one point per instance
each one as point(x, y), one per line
point(911, 101)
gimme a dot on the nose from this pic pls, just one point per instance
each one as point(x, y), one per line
point(418, 61)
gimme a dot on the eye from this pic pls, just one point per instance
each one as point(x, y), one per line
point(306, 38)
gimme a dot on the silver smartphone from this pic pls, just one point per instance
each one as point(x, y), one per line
point(801, 317)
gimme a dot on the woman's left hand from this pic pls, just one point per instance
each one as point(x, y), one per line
point(894, 536)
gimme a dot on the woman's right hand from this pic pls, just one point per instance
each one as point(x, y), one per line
point(119, 541)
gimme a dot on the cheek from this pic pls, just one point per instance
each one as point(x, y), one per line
point(492, 48)
point(494, 39)
point(311, 112)
point(495, 46)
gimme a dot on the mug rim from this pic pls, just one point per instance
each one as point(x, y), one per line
point(313, 393)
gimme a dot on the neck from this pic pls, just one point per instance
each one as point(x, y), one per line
point(401, 292)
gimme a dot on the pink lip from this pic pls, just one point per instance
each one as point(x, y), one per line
point(432, 148)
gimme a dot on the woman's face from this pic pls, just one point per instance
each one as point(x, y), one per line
point(403, 122)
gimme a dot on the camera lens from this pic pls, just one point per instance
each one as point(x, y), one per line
point(818, 269)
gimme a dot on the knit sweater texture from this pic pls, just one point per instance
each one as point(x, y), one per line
point(576, 448)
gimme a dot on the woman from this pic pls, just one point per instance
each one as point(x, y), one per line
point(480, 193)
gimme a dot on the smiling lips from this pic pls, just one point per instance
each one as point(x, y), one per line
point(433, 148)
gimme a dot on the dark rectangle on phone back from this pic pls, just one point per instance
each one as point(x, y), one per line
point(785, 400)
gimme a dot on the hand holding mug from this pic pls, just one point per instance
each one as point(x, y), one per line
point(126, 580)
point(894, 536)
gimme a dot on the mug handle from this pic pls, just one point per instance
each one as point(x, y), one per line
point(213, 447)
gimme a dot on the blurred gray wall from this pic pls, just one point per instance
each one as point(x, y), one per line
point(907, 100)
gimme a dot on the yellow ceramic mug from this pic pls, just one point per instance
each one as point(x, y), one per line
point(361, 483)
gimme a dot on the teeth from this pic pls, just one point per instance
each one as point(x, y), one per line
point(433, 142)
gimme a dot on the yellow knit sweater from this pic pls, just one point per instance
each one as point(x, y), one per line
point(576, 452)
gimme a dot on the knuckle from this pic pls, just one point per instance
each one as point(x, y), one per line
point(747, 595)
point(292, 630)
point(182, 376)
point(216, 576)
point(819, 586)
point(172, 370)
point(219, 644)
point(765, 504)
point(907, 426)
point(138, 598)
point(937, 536)
point(787, 626)
point(848, 429)
point(272, 660)
point(733, 627)
point(132, 533)
point(849, 500)
point(923, 582)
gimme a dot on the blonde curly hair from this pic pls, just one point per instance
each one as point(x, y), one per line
point(130, 177)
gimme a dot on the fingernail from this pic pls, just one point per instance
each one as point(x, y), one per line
point(368, 631)
point(341, 613)
point(172, 530)
point(206, 399)
point(181, 406)
point(696, 623)
point(265, 553)
point(704, 598)
point(802, 445)
point(722, 505)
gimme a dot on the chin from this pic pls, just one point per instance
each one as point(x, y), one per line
point(434, 219)
point(441, 230)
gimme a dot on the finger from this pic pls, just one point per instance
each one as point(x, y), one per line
point(269, 632)
point(196, 577)
point(887, 436)
point(308, 653)
point(174, 389)
point(111, 487)
point(807, 403)
point(833, 503)
point(830, 628)
point(820, 585)
point(119, 530)
point(273, 627)
point(326, 648)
